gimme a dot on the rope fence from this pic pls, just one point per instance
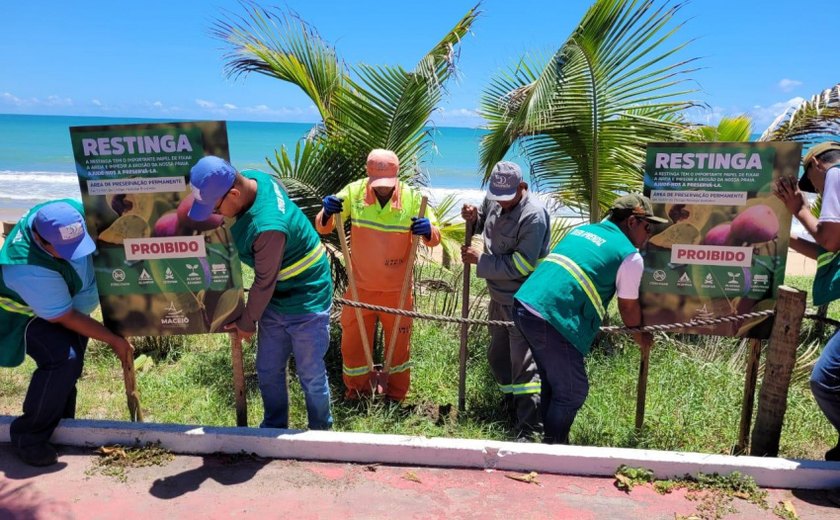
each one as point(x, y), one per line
point(608, 330)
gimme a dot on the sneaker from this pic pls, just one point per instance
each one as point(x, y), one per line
point(833, 454)
point(38, 454)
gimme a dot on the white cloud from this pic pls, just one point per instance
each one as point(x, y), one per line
point(787, 85)
point(96, 102)
point(467, 117)
point(58, 101)
point(762, 116)
point(203, 103)
point(10, 99)
point(157, 104)
point(230, 106)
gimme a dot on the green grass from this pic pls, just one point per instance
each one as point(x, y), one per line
point(693, 402)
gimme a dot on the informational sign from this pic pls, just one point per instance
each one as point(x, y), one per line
point(725, 248)
point(159, 273)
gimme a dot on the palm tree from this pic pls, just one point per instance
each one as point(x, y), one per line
point(361, 107)
point(584, 116)
point(811, 121)
point(728, 129)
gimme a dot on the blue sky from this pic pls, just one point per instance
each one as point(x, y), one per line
point(157, 58)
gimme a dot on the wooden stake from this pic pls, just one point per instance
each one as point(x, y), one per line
point(781, 357)
point(409, 271)
point(465, 313)
point(135, 413)
point(641, 387)
point(238, 380)
point(753, 358)
point(348, 265)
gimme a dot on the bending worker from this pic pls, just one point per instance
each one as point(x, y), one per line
point(292, 291)
point(47, 292)
point(821, 175)
point(560, 307)
point(383, 216)
point(516, 232)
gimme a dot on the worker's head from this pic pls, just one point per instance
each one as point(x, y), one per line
point(633, 214)
point(382, 167)
point(213, 181)
point(506, 185)
point(62, 231)
point(816, 163)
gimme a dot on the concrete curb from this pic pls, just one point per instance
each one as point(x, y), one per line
point(368, 448)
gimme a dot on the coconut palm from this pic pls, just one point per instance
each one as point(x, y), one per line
point(362, 107)
point(728, 129)
point(811, 121)
point(583, 116)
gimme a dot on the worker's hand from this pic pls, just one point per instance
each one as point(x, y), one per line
point(332, 205)
point(421, 227)
point(469, 255)
point(787, 190)
point(123, 349)
point(469, 213)
point(242, 334)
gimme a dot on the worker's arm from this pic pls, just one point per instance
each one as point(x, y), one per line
point(86, 326)
point(268, 251)
point(627, 282)
point(521, 262)
point(826, 229)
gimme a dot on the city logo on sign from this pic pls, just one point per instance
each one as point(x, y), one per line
point(118, 275)
point(174, 317)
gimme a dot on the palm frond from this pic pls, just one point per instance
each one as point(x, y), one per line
point(811, 121)
point(585, 117)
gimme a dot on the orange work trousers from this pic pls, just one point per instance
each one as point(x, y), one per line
point(355, 371)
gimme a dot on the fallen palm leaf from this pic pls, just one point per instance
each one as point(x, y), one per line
point(530, 478)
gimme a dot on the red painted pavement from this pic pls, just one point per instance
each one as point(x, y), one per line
point(222, 486)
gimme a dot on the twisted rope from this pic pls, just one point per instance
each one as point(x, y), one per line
point(609, 330)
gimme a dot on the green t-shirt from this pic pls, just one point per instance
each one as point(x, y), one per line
point(304, 284)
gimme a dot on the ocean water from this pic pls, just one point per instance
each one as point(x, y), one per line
point(36, 159)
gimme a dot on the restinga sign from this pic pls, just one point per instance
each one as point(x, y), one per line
point(158, 272)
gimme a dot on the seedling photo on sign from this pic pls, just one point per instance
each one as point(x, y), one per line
point(724, 251)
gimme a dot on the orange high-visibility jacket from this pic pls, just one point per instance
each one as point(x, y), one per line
point(380, 237)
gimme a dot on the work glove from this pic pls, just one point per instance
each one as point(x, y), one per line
point(421, 227)
point(332, 205)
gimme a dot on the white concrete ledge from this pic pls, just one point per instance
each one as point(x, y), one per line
point(367, 448)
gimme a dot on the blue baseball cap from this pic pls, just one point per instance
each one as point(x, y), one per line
point(210, 179)
point(504, 181)
point(64, 228)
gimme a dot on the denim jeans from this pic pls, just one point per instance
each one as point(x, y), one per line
point(59, 355)
point(825, 381)
point(564, 385)
point(307, 336)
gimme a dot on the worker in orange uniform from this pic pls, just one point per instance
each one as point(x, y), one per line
point(383, 217)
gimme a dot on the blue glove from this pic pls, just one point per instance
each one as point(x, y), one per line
point(332, 205)
point(422, 227)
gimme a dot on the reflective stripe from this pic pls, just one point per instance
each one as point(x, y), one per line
point(371, 224)
point(521, 264)
point(303, 264)
point(354, 372)
point(401, 368)
point(826, 258)
point(525, 388)
point(506, 389)
point(582, 279)
point(13, 306)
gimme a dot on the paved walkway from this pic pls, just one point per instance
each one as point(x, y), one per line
point(224, 486)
